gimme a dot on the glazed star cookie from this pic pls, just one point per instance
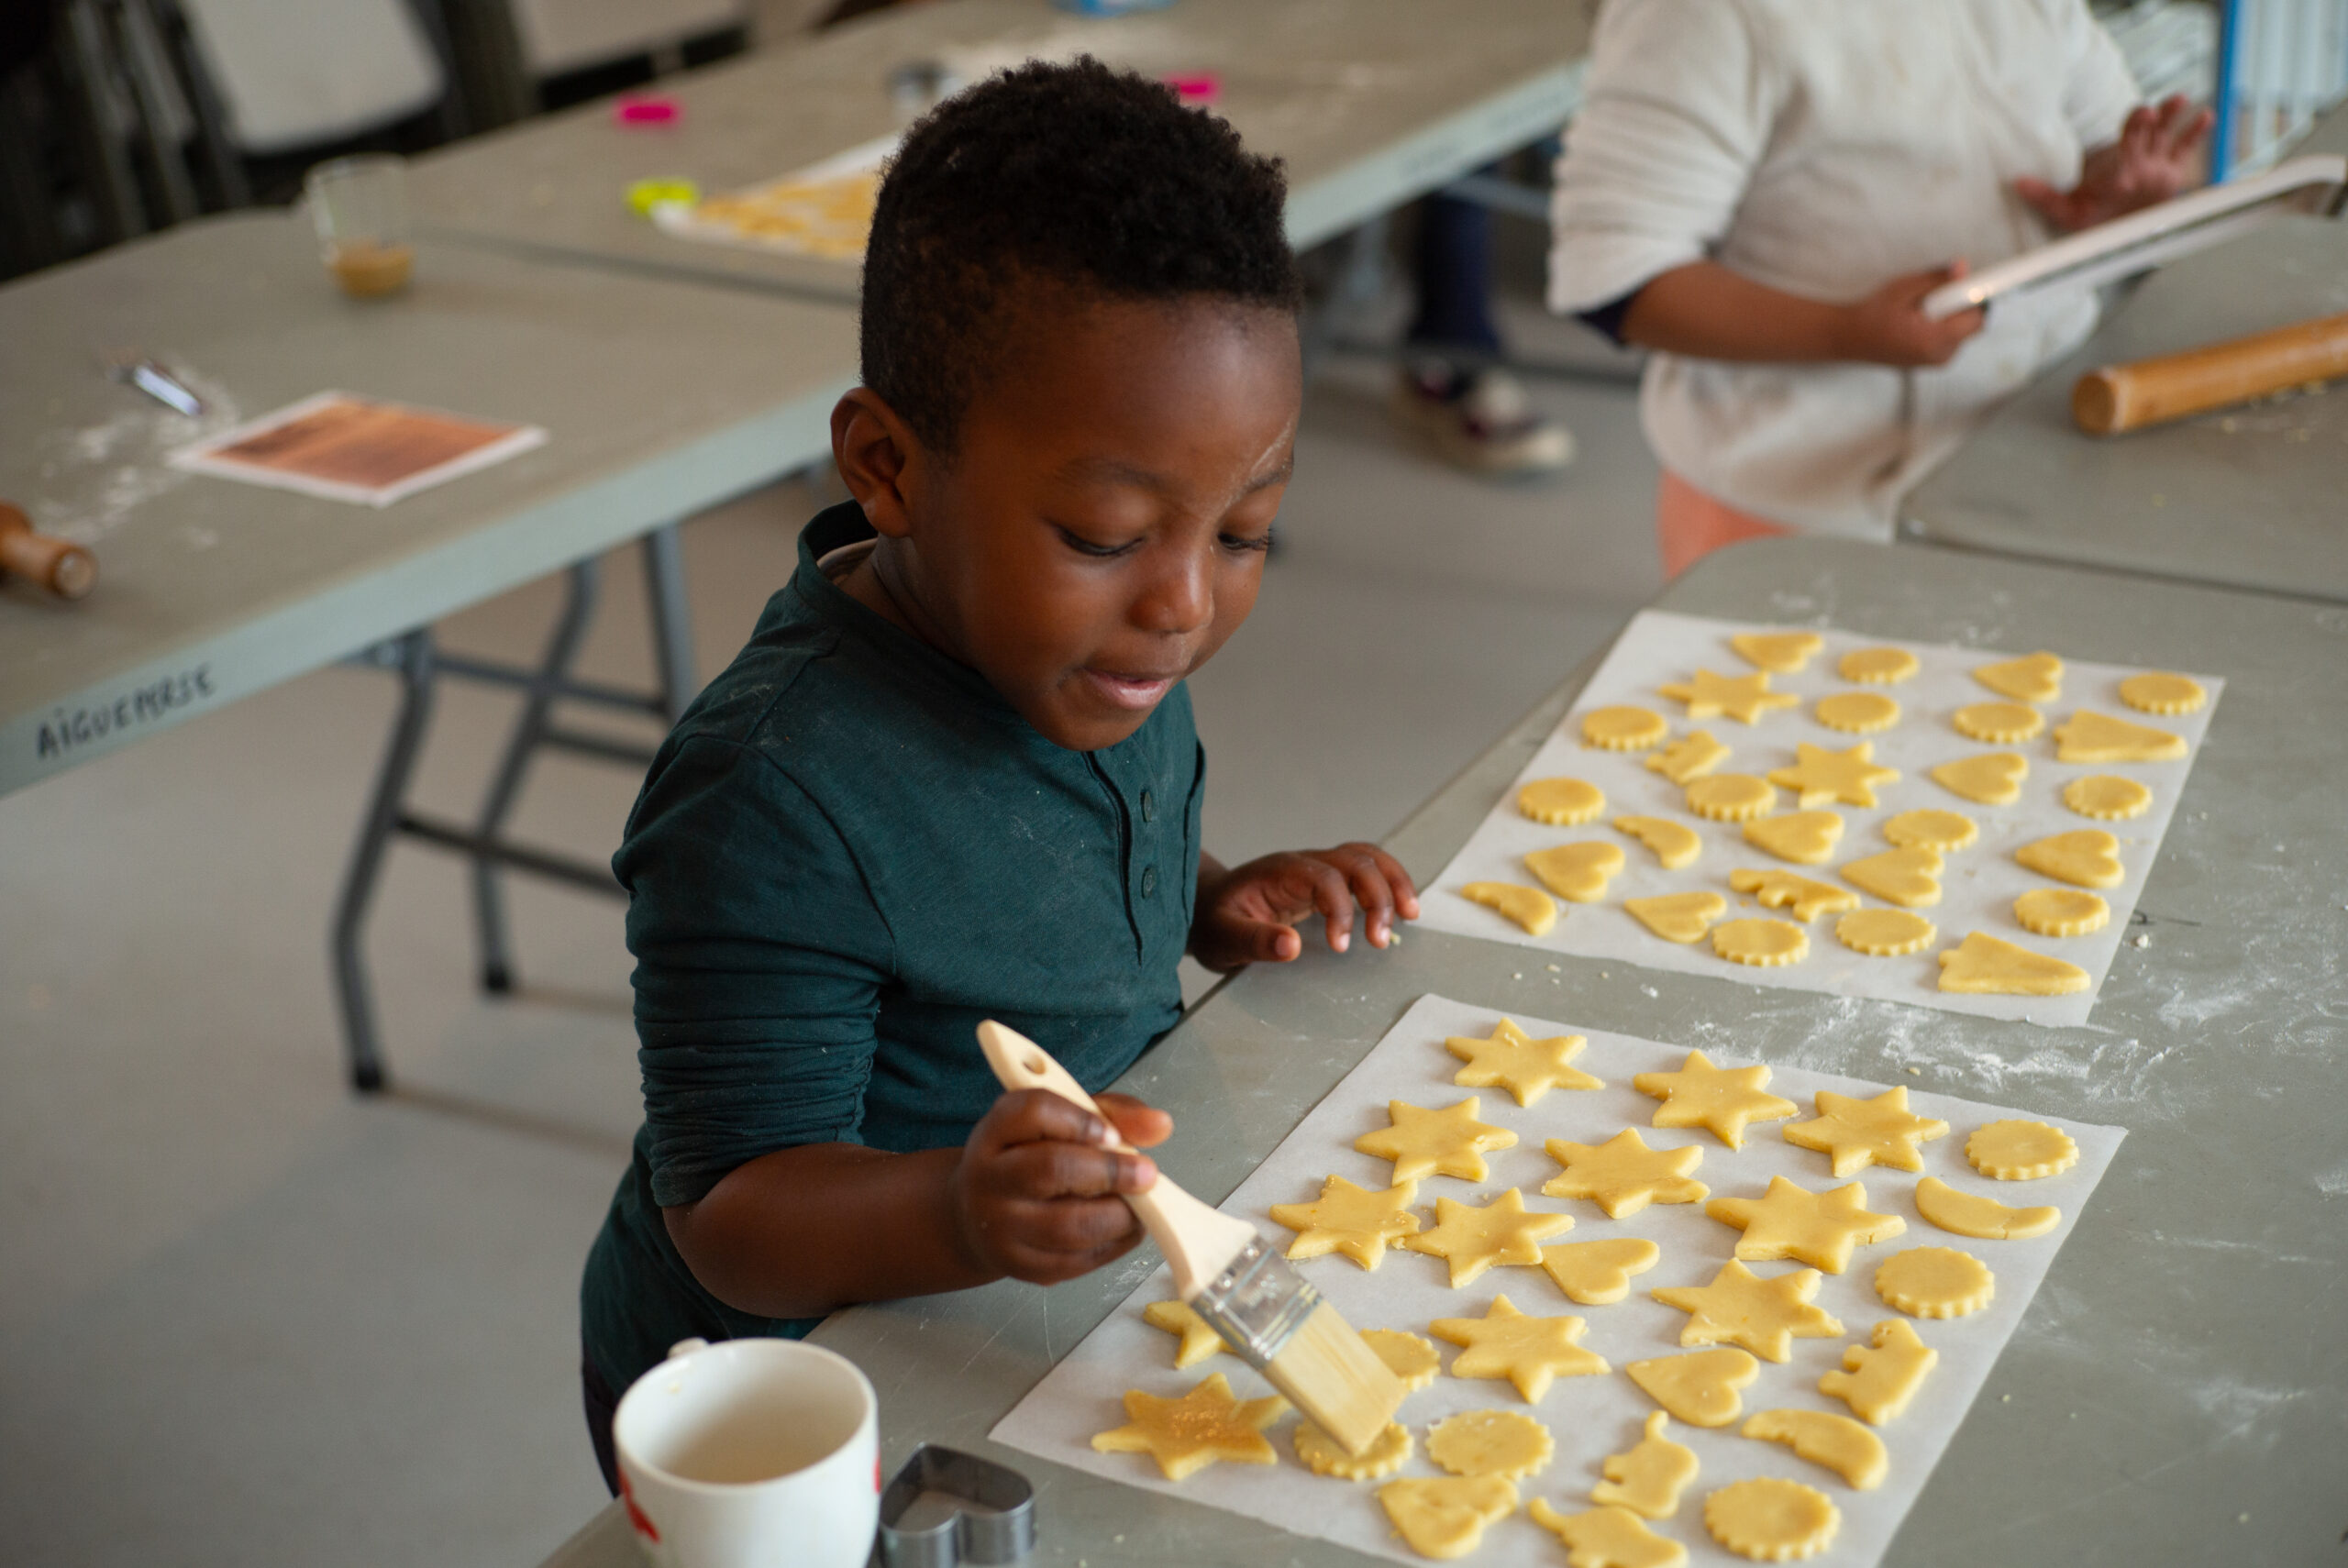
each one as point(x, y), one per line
point(2061, 912)
point(1909, 877)
point(1855, 1133)
point(2084, 857)
point(1878, 667)
point(2107, 797)
point(1411, 1359)
point(1992, 778)
point(1472, 1239)
point(1744, 698)
point(1529, 1352)
point(2097, 737)
point(1687, 758)
point(1576, 873)
point(1857, 712)
point(1815, 1228)
point(1490, 1443)
point(1785, 890)
point(1763, 944)
point(1876, 1382)
point(2035, 678)
point(1598, 1274)
point(1449, 1141)
point(1836, 1442)
point(1771, 1521)
point(1360, 1222)
point(1443, 1517)
point(1624, 1176)
point(1982, 1218)
point(1806, 838)
point(1197, 1336)
point(2020, 1151)
point(1321, 1454)
point(1561, 803)
point(1202, 1426)
point(1526, 1067)
point(1885, 933)
point(1607, 1537)
point(1999, 723)
point(1782, 653)
point(1529, 907)
point(1647, 1478)
point(1678, 917)
point(1944, 832)
point(1935, 1282)
point(1622, 728)
point(1983, 966)
point(1741, 1307)
point(1723, 1100)
point(2157, 691)
point(1700, 1388)
point(1674, 844)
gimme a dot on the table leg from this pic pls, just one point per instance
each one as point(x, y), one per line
point(411, 655)
point(672, 621)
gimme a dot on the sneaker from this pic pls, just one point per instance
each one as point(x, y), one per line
point(1480, 420)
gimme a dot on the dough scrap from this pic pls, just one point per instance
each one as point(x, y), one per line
point(2034, 678)
point(1529, 907)
point(1561, 803)
point(1472, 1239)
point(1674, 844)
point(1935, 1282)
point(1855, 1133)
point(1360, 1222)
point(1678, 917)
point(1740, 1308)
point(2000, 723)
point(1886, 933)
point(2061, 912)
point(1690, 757)
point(1763, 944)
point(1598, 1274)
point(1784, 890)
point(1443, 1517)
point(1699, 1389)
point(1944, 831)
point(1731, 798)
point(1992, 778)
point(1188, 1434)
point(1857, 712)
point(1909, 877)
point(1772, 1520)
point(1528, 1351)
point(1983, 1218)
point(1782, 652)
point(1647, 1478)
point(1323, 1455)
point(1624, 1176)
point(2107, 797)
point(1506, 1443)
point(1877, 1383)
point(1449, 1141)
point(1622, 728)
point(2096, 737)
point(1744, 698)
point(1837, 1442)
point(1878, 667)
point(2085, 857)
point(1526, 1067)
point(1723, 1100)
point(1411, 1359)
point(1849, 777)
point(1815, 1228)
point(1576, 873)
point(2158, 692)
point(1607, 1538)
point(1197, 1336)
point(2020, 1151)
point(1806, 838)
point(1983, 966)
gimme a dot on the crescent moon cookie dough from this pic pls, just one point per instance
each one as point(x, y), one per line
point(1561, 803)
point(2085, 857)
point(1815, 1228)
point(1674, 844)
point(1855, 1133)
point(2061, 912)
point(1526, 1067)
point(1935, 1282)
point(1197, 1338)
point(1784, 890)
point(1909, 877)
point(1622, 728)
point(1856, 712)
point(1992, 778)
point(1576, 873)
point(1598, 1274)
point(2158, 692)
point(1387, 1453)
point(1529, 907)
point(1506, 1443)
point(1877, 1380)
point(2097, 737)
point(1763, 944)
point(1699, 1389)
point(1360, 1222)
point(2020, 1151)
point(1983, 966)
point(1647, 1478)
point(1690, 757)
point(2107, 797)
point(1771, 1521)
point(1731, 798)
point(1624, 1176)
point(1472, 1239)
point(1721, 1100)
point(1820, 777)
point(1202, 1426)
point(1982, 1218)
point(1678, 917)
point(1837, 1442)
point(1764, 1316)
point(1442, 1517)
point(1413, 1360)
point(1422, 1142)
point(1946, 832)
point(1783, 652)
point(2034, 677)
point(1528, 1351)
point(2000, 723)
point(1886, 933)
point(1607, 1538)
point(1878, 667)
point(1744, 698)
point(1806, 838)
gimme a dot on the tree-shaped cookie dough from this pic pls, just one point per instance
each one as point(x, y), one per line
point(1855, 1133)
point(1472, 1239)
point(1816, 1227)
point(1740, 1308)
point(1443, 1517)
point(1491, 1442)
point(1596, 1273)
point(1607, 1538)
point(1526, 1067)
point(1624, 1176)
point(1820, 777)
point(1772, 1520)
point(1699, 1389)
point(1449, 1141)
point(1647, 1478)
point(1188, 1434)
point(1744, 698)
point(1196, 1337)
point(1723, 1100)
point(1877, 1383)
point(1358, 1221)
point(1838, 1442)
point(1528, 1351)
point(1689, 758)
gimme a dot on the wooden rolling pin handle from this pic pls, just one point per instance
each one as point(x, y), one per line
point(2117, 398)
point(65, 570)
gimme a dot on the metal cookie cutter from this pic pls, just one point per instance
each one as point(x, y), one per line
point(945, 1507)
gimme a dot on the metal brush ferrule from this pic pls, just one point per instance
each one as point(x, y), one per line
point(1256, 1303)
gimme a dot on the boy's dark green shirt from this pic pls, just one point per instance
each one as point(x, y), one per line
point(849, 851)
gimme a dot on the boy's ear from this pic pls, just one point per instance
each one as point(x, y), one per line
point(875, 450)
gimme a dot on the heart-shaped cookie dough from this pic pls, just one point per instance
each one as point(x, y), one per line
point(1699, 1389)
point(1992, 778)
point(2034, 678)
point(1576, 873)
point(1806, 838)
point(1909, 876)
point(2084, 857)
point(1678, 917)
point(1784, 652)
point(1596, 1273)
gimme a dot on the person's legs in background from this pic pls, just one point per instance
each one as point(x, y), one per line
point(1689, 525)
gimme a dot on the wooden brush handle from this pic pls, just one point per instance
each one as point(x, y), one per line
point(2148, 391)
point(65, 570)
point(1198, 1241)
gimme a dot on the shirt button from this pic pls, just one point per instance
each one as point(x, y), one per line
point(1149, 881)
point(1149, 807)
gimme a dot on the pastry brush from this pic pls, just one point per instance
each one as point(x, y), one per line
point(1265, 1311)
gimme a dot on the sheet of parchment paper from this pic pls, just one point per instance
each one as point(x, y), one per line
point(1978, 887)
point(1589, 1417)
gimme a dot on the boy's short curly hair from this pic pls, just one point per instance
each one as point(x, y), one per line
point(1096, 180)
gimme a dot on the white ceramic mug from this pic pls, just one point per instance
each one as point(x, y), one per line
point(752, 1453)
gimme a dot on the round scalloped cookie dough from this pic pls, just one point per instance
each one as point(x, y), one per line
point(1769, 1520)
point(1561, 803)
point(1946, 832)
point(1387, 1453)
point(1878, 667)
point(2107, 797)
point(1622, 728)
point(2158, 692)
point(1935, 1282)
point(2061, 912)
point(2014, 1150)
point(1856, 712)
point(1763, 944)
point(1999, 723)
point(1407, 1356)
point(1885, 933)
point(1731, 798)
point(1490, 1443)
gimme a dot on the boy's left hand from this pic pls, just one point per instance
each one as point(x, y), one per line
point(1248, 915)
point(2157, 155)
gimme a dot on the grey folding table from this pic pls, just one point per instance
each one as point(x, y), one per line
point(2177, 1393)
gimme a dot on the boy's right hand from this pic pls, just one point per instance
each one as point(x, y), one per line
point(1890, 328)
point(1036, 1193)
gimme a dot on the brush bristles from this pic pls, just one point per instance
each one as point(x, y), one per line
point(1333, 1375)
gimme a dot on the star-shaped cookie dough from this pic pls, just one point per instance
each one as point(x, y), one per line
point(1744, 698)
point(1740, 1308)
point(1857, 1133)
point(1360, 1222)
point(1624, 1176)
point(1526, 1067)
point(1188, 1434)
point(1819, 776)
point(1723, 1100)
point(1529, 1352)
point(1816, 1227)
point(1472, 1239)
point(1198, 1336)
point(1449, 1141)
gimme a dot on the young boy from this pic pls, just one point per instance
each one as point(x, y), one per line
point(953, 775)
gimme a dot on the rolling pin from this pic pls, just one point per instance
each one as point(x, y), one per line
point(65, 570)
point(2116, 398)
